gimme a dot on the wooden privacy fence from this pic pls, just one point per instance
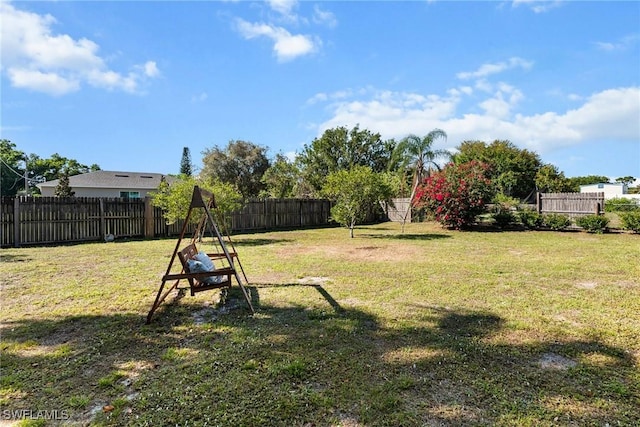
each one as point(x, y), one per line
point(398, 210)
point(48, 220)
point(571, 204)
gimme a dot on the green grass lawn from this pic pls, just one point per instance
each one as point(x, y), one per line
point(422, 328)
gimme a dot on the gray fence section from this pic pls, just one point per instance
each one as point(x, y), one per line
point(49, 220)
point(399, 209)
point(571, 204)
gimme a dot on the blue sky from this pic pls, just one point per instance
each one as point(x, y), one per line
point(127, 85)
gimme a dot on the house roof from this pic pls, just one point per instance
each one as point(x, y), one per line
point(113, 179)
point(604, 184)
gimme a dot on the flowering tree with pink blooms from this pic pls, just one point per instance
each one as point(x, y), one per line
point(456, 195)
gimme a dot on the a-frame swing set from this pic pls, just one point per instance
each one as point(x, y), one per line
point(226, 254)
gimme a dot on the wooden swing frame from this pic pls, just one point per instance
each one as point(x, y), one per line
point(195, 280)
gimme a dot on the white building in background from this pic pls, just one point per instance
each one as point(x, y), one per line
point(611, 191)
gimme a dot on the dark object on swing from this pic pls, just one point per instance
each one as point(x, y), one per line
point(196, 269)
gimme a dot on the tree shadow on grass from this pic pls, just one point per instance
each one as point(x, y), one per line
point(14, 258)
point(259, 242)
point(323, 364)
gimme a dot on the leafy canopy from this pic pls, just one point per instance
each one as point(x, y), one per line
point(356, 192)
point(241, 164)
point(550, 180)
point(175, 199)
point(12, 169)
point(512, 170)
point(416, 157)
point(342, 149)
point(281, 179)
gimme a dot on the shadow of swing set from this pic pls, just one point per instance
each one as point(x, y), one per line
point(226, 254)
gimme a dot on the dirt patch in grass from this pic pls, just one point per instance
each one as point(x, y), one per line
point(556, 362)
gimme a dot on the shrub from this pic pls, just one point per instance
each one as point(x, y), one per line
point(503, 210)
point(530, 219)
point(621, 204)
point(593, 223)
point(630, 221)
point(456, 195)
point(502, 216)
point(556, 221)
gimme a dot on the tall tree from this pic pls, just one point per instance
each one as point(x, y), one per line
point(550, 180)
point(416, 157)
point(627, 180)
point(38, 169)
point(281, 179)
point(55, 167)
point(512, 170)
point(241, 164)
point(11, 168)
point(63, 189)
point(185, 162)
point(342, 149)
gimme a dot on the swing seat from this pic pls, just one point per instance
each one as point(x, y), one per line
point(197, 280)
point(201, 280)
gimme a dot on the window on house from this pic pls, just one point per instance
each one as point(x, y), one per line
point(600, 185)
point(130, 194)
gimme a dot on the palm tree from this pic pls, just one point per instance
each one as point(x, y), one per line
point(415, 155)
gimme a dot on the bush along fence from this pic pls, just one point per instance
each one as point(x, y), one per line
point(49, 220)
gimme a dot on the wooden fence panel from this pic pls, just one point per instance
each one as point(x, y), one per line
point(6, 222)
point(571, 204)
point(48, 220)
point(398, 210)
point(124, 217)
point(44, 220)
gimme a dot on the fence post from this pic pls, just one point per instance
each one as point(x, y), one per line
point(149, 223)
point(16, 222)
point(538, 202)
point(103, 221)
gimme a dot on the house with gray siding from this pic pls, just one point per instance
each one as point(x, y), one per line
point(109, 184)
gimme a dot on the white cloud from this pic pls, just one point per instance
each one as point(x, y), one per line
point(324, 17)
point(37, 59)
point(486, 70)
point(606, 115)
point(284, 7)
point(622, 44)
point(538, 6)
point(286, 46)
point(201, 97)
point(50, 83)
point(151, 69)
